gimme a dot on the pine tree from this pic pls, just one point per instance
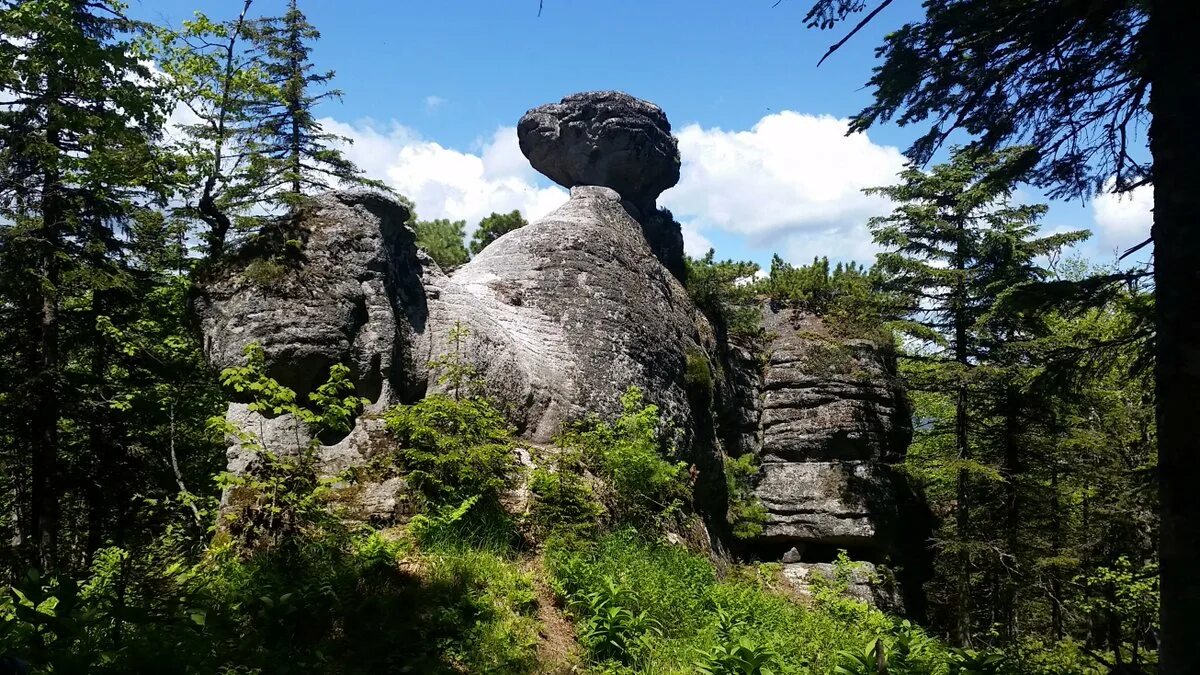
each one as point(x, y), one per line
point(442, 239)
point(298, 155)
point(942, 254)
point(493, 227)
point(77, 160)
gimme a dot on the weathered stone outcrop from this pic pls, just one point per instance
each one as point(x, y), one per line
point(350, 293)
point(832, 417)
point(562, 317)
point(865, 582)
point(568, 312)
point(606, 138)
point(611, 139)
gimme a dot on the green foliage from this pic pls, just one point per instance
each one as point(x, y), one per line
point(357, 605)
point(724, 292)
point(610, 630)
point(453, 450)
point(443, 240)
point(740, 656)
point(265, 272)
point(564, 502)
point(697, 376)
point(746, 512)
point(454, 371)
point(848, 297)
point(720, 623)
point(294, 156)
point(282, 494)
point(493, 227)
point(631, 458)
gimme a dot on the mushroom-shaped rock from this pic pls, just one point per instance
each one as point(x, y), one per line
point(605, 138)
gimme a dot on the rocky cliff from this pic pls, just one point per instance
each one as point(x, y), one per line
point(564, 315)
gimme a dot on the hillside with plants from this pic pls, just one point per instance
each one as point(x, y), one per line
point(257, 416)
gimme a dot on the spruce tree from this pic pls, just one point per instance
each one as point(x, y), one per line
point(936, 243)
point(298, 156)
point(77, 160)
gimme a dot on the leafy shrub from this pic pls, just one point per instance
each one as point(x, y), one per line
point(739, 658)
point(698, 377)
point(611, 630)
point(453, 450)
point(354, 605)
point(722, 291)
point(746, 512)
point(281, 494)
point(848, 296)
point(564, 503)
point(629, 455)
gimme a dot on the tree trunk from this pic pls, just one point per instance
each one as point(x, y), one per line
point(1056, 613)
point(1012, 515)
point(1175, 145)
point(44, 494)
point(962, 510)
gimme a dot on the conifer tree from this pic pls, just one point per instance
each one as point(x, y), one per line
point(77, 161)
point(937, 242)
point(299, 155)
point(493, 227)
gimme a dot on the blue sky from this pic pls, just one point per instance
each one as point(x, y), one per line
point(433, 89)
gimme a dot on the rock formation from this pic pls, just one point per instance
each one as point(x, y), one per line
point(567, 313)
point(350, 293)
point(833, 416)
point(611, 139)
point(562, 316)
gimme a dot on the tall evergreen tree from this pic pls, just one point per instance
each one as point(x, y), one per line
point(300, 154)
point(936, 257)
point(77, 160)
point(1090, 84)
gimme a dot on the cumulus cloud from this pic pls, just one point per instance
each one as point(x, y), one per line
point(792, 183)
point(433, 102)
point(448, 183)
point(1123, 220)
point(695, 244)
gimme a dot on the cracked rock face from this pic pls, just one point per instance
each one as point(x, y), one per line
point(832, 418)
point(350, 295)
point(605, 138)
point(566, 313)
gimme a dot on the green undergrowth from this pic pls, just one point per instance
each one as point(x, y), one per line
point(282, 584)
point(650, 607)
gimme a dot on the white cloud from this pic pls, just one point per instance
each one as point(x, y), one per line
point(1123, 220)
point(433, 102)
point(792, 183)
point(694, 243)
point(447, 183)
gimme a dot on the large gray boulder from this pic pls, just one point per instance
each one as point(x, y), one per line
point(347, 291)
point(568, 312)
point(606, 138)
